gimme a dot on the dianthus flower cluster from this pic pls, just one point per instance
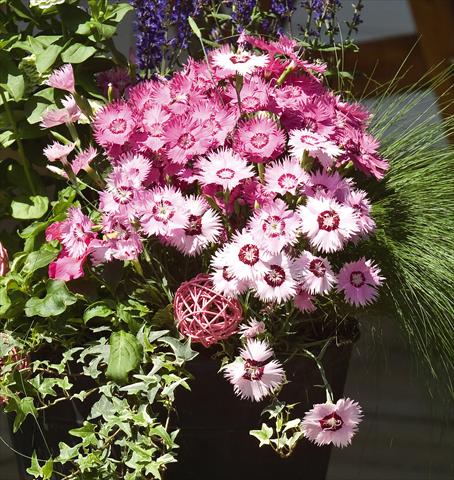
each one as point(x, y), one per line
point(248, 160)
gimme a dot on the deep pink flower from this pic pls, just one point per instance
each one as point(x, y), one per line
point(274, 226)
point(66, 267)
point(254, 95)
point(223, 167)
point(83, 159)
point(76, 233)
point(253, 374)
point(63, 78)
point(259, 140)
point(334, 423)
point(186, 138)
point(114, 124)
point(255, 194)
point(357, 199)
point(154, 120)
point(359, 281)
point(285, 176)
point(324, 184)
point(328, 224)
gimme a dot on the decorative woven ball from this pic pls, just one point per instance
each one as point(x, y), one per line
point(204, 315)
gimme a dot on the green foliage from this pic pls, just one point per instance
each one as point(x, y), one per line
point(124, 355)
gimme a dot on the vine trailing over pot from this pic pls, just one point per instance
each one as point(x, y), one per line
point(216, 207)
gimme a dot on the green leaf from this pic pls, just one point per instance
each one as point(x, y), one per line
point(36, 105)
point(182, 350)
point(11, 78)
point(26, 208)
point(46, 58)
point(77, 53)
point(39, 259)
point(99, 309)
point(195, 28)
point(117, 12)
point(57, 299)
point(264, 435)
point(125, 354)
point(23, 407)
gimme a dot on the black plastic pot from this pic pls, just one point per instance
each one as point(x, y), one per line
point(214, 440)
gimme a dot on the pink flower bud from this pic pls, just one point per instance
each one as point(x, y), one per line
point(4, 261)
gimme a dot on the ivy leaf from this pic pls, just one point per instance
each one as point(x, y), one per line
point(57, 299)
point(125, 354)
point(181, 350)
point(23, 407)
point(195, 28)
point(77, 53)
point(264, 435)
point(26, 208)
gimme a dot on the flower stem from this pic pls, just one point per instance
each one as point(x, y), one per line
point(20, 146)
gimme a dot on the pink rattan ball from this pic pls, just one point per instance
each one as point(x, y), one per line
point(204, 315)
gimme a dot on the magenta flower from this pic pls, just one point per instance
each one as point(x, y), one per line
point(253, 375)
point(359, 281)
point(154, 120)
point(114, 124)
point(203, 227)
point(254, 95)
point(314, 273)
point(274, 226)
point(259, 140)
point(66, 267)
point(185, 138)
point(328, 224)
point(223, 167)
point(83, 159)
point(322, 183)
point(334, 423)
point(76, 233)
point(63, 79)
point(285, 176)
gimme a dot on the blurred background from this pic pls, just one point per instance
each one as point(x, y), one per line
point(407, 433)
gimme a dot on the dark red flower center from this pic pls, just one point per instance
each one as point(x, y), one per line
point(357, 279)
point(309, 140)
point(260, 140)
point(328, 220)
point(163, 211)
point(253, 370)
point(186, 141)
point(317, 267)
point(274, 226)
point(194, 226)
point(249, 254)
point(287, 181)
point(275, 276)
point(225, 173)
point(319, 188)
point(331, 422)
point(226, 275)
point(118, 126)
point(239, 59)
